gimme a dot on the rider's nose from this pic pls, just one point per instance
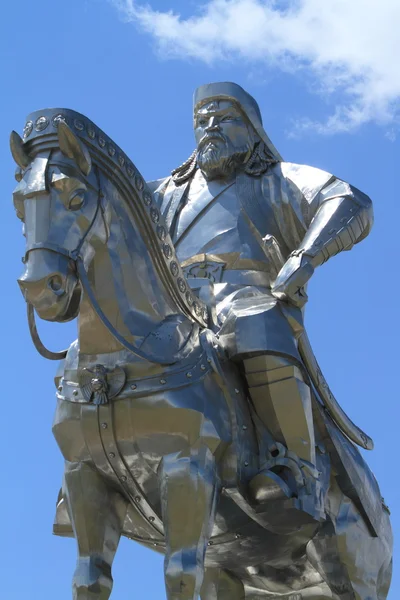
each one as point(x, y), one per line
point(213, 125)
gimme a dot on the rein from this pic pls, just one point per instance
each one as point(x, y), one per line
point(40, 347)
point(109, 326)
point(84, 280)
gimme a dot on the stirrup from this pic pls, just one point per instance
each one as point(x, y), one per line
point(284, 476)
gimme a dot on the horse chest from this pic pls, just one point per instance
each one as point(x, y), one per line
point(143, 427)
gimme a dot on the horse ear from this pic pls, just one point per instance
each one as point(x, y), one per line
point(73, 148)
point(20, 156)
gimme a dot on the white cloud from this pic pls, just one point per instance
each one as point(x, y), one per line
point(350, 47)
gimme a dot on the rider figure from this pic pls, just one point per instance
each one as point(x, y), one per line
point(257, 227)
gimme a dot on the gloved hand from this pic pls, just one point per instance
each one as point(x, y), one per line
point(291, 279)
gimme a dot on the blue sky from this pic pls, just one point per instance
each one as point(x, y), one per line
point(327, 80)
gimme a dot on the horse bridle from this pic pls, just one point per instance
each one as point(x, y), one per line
point(75, 256)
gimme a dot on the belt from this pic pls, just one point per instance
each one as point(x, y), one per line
point(233, 277)
point(259, 278)
point(72, 391)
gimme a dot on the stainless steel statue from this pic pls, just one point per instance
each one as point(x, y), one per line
point(191, 412)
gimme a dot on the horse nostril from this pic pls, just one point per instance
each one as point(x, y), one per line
point(55, 283)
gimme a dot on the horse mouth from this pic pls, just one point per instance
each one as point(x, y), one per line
point(62, 308)
point(71, 308)
point(54, 298)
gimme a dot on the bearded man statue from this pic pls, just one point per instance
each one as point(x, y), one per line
point(257, 227)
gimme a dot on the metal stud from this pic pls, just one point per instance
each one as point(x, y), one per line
point(75, 393)
point(244, 427)
point(209, 360)
point(174, 268)
point(189, 374)
point(161, 232)
point(181, 285)
point(147, 198)
point(155, 215)
point(104, 425)
point(79, 125)
point(139, 183)
point(41, 123)
point(167, 250)
point(133, 386)
point(137, 498)
point(112, 455)
point(151, 519)
point(246, 464)
point(237, 391)
point(57, 119)
point(28, 129)
point(163, 381)
point(203, 367)
point(124, 478)
point(210, 543)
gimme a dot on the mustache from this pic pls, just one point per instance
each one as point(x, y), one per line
point(210, 137)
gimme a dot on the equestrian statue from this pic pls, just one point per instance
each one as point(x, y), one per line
point(191, 412)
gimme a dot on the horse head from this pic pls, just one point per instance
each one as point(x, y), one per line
point(88, 218)
point(58, 200)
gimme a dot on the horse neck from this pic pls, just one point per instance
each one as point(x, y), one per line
point(128, 290)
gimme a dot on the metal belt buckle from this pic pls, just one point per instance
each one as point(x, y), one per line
point(207, 269)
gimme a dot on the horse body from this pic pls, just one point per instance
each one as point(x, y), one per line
point(164, 456)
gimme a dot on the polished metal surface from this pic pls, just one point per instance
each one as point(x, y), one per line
point(191, 411)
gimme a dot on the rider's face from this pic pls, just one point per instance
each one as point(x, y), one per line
point(220, 123)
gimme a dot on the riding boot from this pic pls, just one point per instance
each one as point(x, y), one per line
point(282, 401)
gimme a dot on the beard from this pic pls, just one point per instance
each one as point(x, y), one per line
point(217, 157)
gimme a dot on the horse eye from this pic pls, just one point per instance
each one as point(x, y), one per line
point(77, 200)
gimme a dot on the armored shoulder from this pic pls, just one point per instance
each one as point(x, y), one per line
point(309, 181)
point(328, 211)
point(337, 214)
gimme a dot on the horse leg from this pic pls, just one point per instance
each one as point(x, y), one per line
point(188, 482)
point(219, 584)
point(355, 565)
point(97, 514)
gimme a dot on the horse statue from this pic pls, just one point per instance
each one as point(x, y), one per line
point(159, 438)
